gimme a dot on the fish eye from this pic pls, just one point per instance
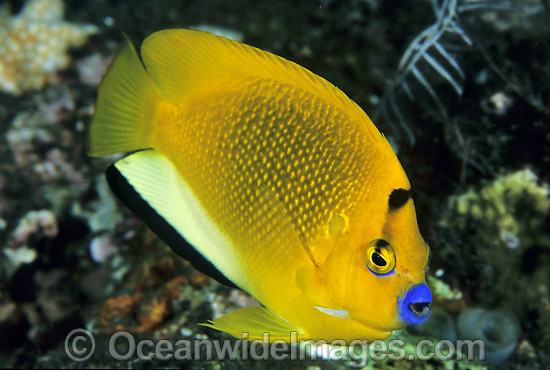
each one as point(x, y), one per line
point(380, 257)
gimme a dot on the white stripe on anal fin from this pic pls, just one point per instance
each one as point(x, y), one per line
point(158, 182)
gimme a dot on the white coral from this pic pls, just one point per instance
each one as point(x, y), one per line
point(34, 44)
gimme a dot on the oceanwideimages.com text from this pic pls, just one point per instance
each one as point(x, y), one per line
point(80, 346)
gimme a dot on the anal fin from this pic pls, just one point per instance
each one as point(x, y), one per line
point(148, 184)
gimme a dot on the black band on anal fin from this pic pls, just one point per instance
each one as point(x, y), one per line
point(131, 199)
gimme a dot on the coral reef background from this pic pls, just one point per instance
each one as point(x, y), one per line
point(72, 257)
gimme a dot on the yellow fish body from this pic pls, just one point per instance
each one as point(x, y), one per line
point(278, 180)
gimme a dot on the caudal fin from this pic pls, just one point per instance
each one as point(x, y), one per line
point(124, 112)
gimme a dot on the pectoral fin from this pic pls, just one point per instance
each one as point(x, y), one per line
point(252, 323)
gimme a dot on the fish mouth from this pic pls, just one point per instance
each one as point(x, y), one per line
point(415, 307)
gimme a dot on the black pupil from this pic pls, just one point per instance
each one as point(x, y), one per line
point(378, 259)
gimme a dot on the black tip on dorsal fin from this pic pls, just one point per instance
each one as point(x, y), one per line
point(131, 199)
point(398, 198)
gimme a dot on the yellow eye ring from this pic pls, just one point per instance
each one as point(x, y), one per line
point(380, 257)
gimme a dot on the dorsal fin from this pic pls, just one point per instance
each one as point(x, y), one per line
point(180, 60)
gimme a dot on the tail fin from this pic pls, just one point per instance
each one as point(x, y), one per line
point(124, 112)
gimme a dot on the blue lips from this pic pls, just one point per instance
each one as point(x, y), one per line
point(415, 307)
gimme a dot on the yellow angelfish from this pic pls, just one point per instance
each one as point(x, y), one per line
point(281, 184)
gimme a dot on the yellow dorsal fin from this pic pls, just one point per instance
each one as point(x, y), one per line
point(252, 323)
point(179, 60)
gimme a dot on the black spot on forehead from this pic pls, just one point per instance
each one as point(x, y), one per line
point(398, 198)
point(381, 243)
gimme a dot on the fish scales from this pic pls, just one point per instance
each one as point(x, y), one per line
point(230, 143)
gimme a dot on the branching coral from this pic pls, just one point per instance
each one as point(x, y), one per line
point(427, 49)
point(431, 62)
